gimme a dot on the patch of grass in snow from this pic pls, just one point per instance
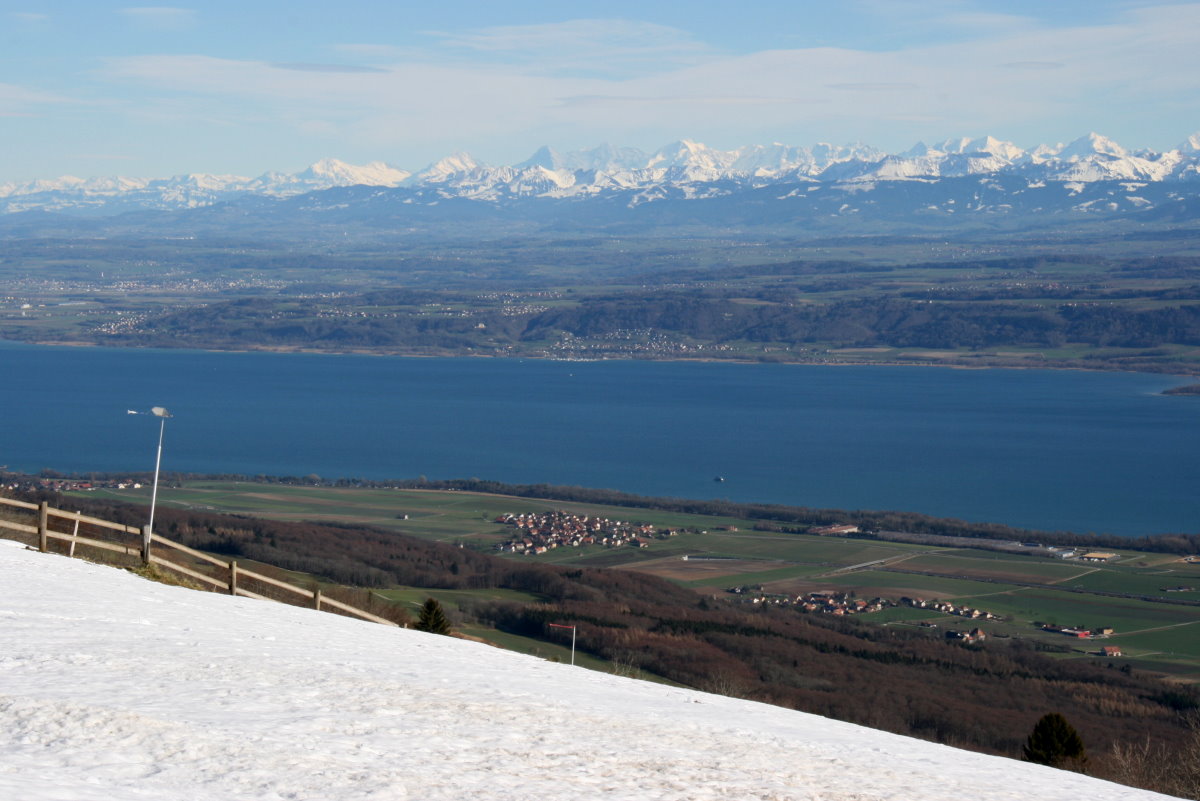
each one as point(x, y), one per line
point(154, 573)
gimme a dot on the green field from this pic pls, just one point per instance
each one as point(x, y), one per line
point(1129, 595)
point(932, 587)
point(1085, 611)
point(430, 515)
point(1139, 583)
point(1024, 568)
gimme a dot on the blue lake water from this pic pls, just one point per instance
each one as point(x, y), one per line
point(1063, 450)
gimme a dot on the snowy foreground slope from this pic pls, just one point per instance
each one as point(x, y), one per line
point(112, 687)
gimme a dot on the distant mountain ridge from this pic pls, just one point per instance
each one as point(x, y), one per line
point(683, 169)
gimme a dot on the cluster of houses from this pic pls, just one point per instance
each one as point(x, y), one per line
point(840, 603)
point(539, 532)
point(1078, 631)
point(974, 635)
point(948, 608)
point(69, 484)
point(1082, 633)
point(828, 603)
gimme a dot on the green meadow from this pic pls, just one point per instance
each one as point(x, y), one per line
point(1138, 595)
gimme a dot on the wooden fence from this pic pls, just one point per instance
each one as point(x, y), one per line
point(230, 579)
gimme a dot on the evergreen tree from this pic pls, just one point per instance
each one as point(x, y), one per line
point(1055, 742)
point(432, 618)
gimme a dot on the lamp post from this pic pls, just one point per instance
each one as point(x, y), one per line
point(572, 628)
point(162, 414)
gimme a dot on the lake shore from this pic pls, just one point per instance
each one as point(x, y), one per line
point(943, 359)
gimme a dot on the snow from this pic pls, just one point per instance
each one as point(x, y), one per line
point(549, 173)
point(1091, 145)
point(115, 687)
point(443, 169)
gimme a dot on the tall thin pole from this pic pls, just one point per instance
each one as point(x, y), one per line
point(573, 632)
point(148, 532)
point(157, 463)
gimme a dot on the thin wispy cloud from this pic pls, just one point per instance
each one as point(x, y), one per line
point(887, 72)
point(29, 17)
point(334, 68)
point(932, 20)
point(613, 101)
point(593, 46)
point(367, 50)
point(101, 156)
point(516, 87)
point(1034, 65)
point(159, 17)
point(871, 87)
point(19, 100)
point(984, 23)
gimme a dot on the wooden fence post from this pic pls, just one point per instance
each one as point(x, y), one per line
point(146, 545)
point(317, 600)
point(232, 577)
point(43, 526)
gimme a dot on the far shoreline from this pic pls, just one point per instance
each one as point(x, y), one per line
point(1180, 371)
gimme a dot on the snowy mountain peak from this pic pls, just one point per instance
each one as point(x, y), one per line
point(443, 169)
point(335, 172)
point(995, 147)
point(1092, 145)
point(603, 157)
point(545, 156)
point(685, 165)
point(920, 150)
point(685, 153)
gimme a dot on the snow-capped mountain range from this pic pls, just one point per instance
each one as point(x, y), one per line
point(682, 169)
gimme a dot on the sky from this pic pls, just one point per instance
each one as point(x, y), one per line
point(93, 88)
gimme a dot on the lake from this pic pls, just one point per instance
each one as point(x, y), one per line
point(1069, 450)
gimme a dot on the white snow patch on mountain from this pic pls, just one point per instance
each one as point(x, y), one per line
point(669, 172)
point(114, 687)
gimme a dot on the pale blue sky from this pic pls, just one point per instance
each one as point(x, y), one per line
point(91, 87)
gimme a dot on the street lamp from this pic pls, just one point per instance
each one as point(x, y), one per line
point(572, 628)
point(162, 414)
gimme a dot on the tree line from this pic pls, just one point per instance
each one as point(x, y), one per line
point(867, 322)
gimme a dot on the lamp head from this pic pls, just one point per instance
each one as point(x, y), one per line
point(159, 411)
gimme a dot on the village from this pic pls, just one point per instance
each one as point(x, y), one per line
point(17, 483)
point(542, 531)
point(948, 608)
point(821, 602)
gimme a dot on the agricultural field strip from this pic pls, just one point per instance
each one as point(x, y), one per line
point(1042, 585)
point(1077, 576)
point(880, 563)
point(1161, 628)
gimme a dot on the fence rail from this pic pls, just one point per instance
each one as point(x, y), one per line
point(144, 549)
